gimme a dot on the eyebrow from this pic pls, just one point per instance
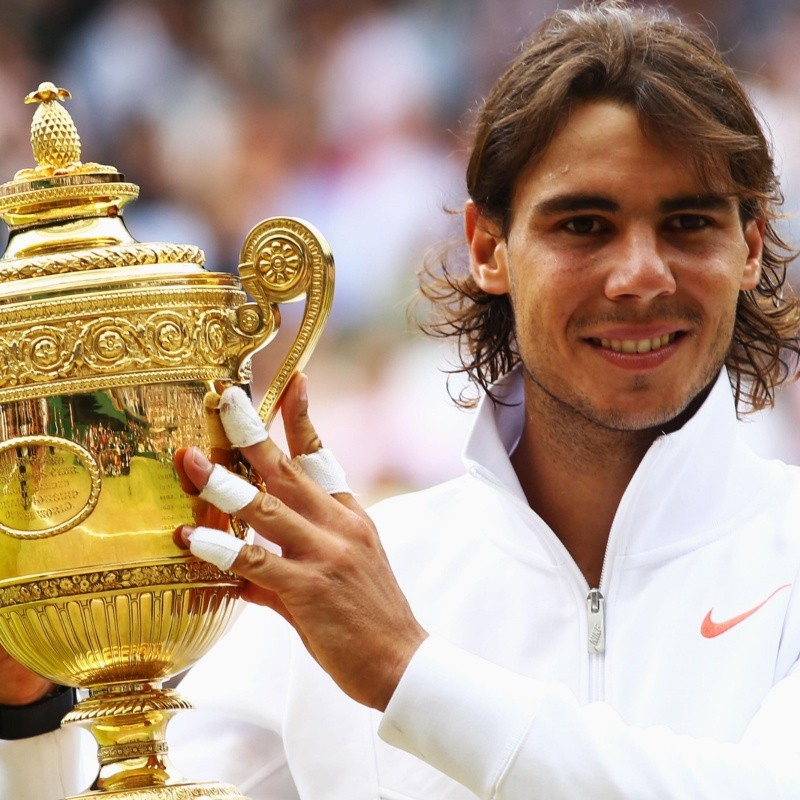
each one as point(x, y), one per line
point(565, 203)
point(696, 202)
point(572, 203)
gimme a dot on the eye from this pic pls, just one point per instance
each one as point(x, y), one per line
point(688, 222)
point(584, 226)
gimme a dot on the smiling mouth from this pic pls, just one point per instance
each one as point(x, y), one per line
point(635, 345)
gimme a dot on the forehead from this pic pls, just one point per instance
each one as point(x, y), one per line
point(601, 148)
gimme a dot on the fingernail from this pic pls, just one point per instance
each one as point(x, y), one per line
point(302, 390)
point(185, 534)
point(216, 547)
point(197, 457)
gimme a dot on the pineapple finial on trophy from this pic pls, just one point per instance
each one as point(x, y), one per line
point(55, 141)
point(54, 137)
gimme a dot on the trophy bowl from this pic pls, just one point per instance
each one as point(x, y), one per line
point(110, 349)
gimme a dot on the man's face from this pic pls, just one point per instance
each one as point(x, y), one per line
point(623, 270)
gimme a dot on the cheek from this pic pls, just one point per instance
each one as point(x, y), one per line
point(713, 273)
point(556, 289)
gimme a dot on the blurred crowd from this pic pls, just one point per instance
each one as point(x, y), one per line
point(355, 116)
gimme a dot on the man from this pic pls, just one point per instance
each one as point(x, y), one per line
point(605, 605)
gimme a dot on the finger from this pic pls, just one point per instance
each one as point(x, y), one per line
point(203, 513)
point(263, 512)
point(245, 428)
point(217, 547)
point(301, 436)
point(252, 562)
point(306, 447)
point(283, 478)
point(323, 468)
point(187, 484)
point(240, 421)
point(226, 491)
point(217, 438)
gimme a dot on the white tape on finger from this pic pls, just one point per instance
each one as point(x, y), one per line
point(214, 546)
point(226, 491)
point(242, 424)
point(323, 468)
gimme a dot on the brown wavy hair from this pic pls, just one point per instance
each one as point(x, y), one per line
point(687, 98)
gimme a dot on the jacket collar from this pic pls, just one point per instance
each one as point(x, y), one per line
point(695, 478)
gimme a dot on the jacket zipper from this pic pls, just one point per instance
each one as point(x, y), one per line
point(596, 644)
point(595, 610)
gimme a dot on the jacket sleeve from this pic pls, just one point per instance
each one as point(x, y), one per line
point(47, 767)
point(504, 736)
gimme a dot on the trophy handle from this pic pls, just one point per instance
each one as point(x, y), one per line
point(283, 260)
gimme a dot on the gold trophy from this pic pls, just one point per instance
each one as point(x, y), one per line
point(108, 348)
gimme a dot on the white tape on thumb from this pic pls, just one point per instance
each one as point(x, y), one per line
point(215, 546)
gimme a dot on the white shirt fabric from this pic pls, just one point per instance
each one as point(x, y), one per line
point(504, 700)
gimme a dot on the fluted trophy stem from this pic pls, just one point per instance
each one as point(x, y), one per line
point(129, 722)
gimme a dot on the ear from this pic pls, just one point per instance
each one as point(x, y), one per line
point(754, 239)
point(488, 253)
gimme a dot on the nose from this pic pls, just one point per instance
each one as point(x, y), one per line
point(639, 267)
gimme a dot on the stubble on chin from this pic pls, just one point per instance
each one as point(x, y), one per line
point(576, 415)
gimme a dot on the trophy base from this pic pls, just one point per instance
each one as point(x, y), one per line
point(181, 791)
point(128, 721)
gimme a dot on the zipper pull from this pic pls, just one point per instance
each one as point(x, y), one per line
point(595, 607)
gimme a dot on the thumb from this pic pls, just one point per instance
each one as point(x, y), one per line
point(301, 437)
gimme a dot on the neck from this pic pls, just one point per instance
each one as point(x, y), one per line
point(574, 472)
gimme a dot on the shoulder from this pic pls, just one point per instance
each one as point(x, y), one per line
point(422, 501)
point(427, 518)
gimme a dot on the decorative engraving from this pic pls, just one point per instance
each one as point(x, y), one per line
point(115, 752)
point(122, 255)
point(107, 341)
point(48, 485)
point(194, 791)
point(169, 336)
point(102, 705)
point(46, 346)
point(99, 581)
point(249, 318)
point(298, 263)
point(280, 262)
point(112, 339)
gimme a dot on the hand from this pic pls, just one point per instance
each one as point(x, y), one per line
point(18, 685)
point(333, 582)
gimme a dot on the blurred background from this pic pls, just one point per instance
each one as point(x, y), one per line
point(351, 114)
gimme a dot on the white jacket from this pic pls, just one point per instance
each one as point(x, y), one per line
point(695, 694)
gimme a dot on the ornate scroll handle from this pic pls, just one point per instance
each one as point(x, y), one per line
point(284, 260)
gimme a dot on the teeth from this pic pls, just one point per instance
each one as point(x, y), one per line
point(637, 345)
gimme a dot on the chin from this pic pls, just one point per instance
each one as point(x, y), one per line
point(664, 416)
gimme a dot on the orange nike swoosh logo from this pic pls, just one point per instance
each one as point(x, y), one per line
point(710, 629)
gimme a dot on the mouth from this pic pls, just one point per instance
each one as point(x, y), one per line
point(636, 345)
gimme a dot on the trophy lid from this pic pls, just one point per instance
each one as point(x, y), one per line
point(64, 206)
point(60, 187)
point(84, 305)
